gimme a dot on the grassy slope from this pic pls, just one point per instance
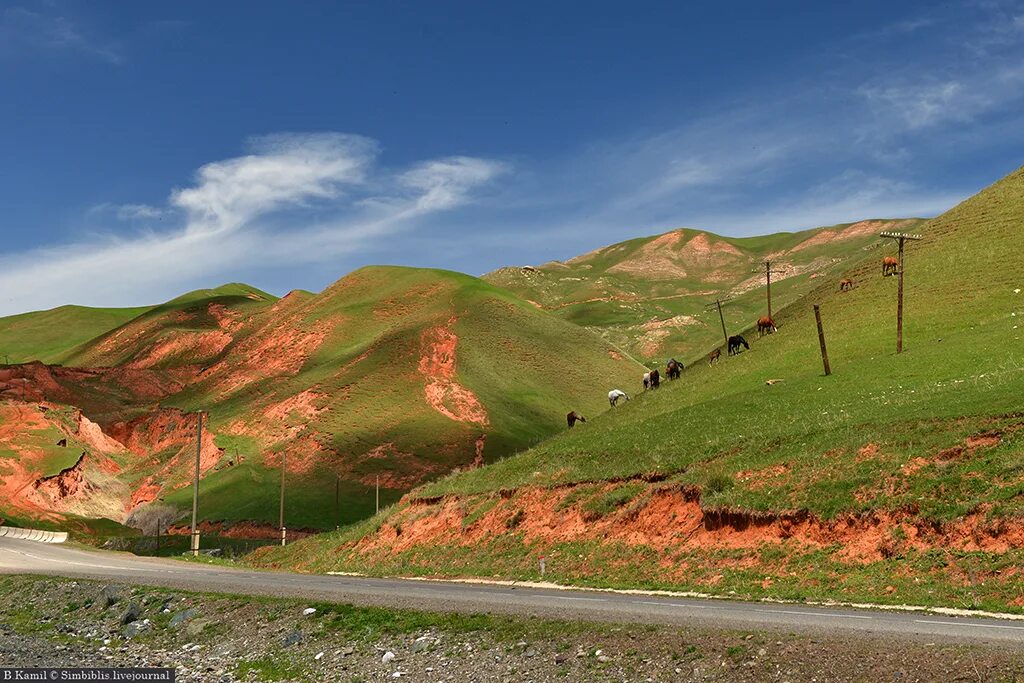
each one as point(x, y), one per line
point(245, 358)
point(188, 313)
point(960, 359)
point(526, 367)
point(594, 291)
point(48, 336)
point(797, 444)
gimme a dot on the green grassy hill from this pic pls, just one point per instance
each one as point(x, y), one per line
point(391, 375)
point(900, 478)
point(649, 295)
point(397, 375)
point(190, 329)
point(49, 336)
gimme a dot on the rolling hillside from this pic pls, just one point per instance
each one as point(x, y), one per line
point(649, 295)
point(396, 375)
point(900, 478)
point(49, 336)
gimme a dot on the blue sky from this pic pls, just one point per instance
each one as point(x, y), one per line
point(151, 148)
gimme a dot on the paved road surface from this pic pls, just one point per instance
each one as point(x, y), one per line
point(17, 556)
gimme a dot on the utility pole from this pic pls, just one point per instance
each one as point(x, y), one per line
point(768, 282)
point(821, 340)
point(337, 513)
point(378, 494)
point(900, 238)
point(195, 485)
point(721, 318)
point(280, 524)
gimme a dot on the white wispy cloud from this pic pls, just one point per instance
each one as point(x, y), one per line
point(26, 32)
point(127, 212)
point(293, 199)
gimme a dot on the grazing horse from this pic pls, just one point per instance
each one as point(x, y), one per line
point(890, 265)
point(714, 355)
point(655, 378)
point(574, 417)
point(765, 325)
point(615, 394)
point(647, 381)
point(735, 342)
point(845, 285)
point(673, 369)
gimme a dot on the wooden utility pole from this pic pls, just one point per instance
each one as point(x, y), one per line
point(900, 238)
point(768, 282)
point(721, 318)
point(337, 492)
point(195, 485)
point(280, 523)
point(821, 341)
point(378, 494)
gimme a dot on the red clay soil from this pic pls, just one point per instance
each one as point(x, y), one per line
point(69, 482)
point(146, 492)
point(166, 429)
point(226, 318)
point(443, 393)
point(274, 351)
point(860, 229)
point(671, 518)
point(23, 486)
point(302, 404)
point(190, 346)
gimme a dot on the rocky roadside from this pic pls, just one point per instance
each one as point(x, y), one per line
point(48, 622)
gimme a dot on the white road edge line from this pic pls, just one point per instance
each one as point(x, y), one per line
point(957, 623)
point(674, 604)
point(814, 614)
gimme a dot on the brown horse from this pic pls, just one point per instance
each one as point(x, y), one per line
point(845, 285)
point(765, 325)
point(890, 265)
point(714, 355)
point(655, 378)
point(574, 417)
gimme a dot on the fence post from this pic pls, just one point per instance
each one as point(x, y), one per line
point(821, 340)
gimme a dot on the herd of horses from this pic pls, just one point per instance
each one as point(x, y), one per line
point(765, 325)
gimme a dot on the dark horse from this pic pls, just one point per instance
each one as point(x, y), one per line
point(574, 417)
point(674, 369)
point(655, 379)
point(735, 342)
point(714, 356)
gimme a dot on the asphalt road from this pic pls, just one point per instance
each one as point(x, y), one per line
point(28, 557)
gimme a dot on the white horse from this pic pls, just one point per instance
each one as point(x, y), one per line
point(615, 394)
point(647, 380)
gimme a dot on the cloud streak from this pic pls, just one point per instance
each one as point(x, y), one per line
point(253, 211)
point(25, 33)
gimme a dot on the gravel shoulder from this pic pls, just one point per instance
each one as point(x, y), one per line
point(47, 622)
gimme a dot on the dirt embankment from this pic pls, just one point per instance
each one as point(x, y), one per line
point(164, 430)
point(671, 517)
point(33, 434)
